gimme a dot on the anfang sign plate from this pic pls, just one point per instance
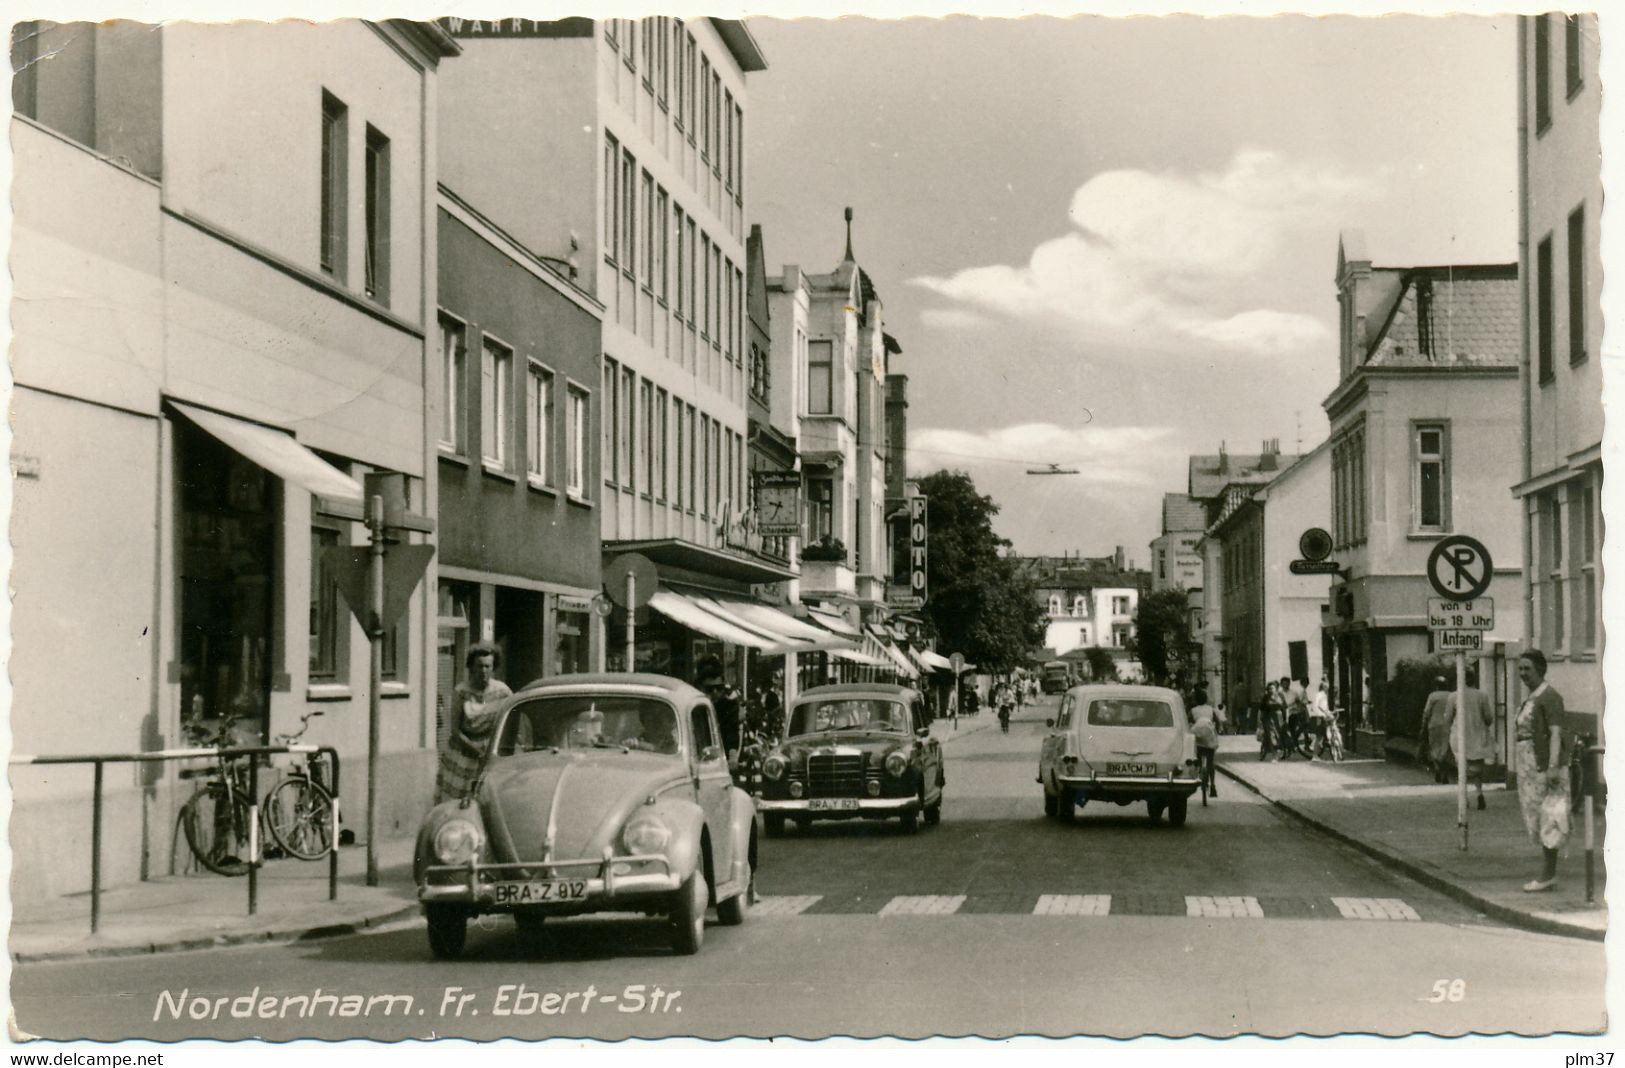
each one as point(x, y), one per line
point(1450, 641)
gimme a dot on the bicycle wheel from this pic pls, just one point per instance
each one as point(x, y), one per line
point(217, 832)
point(299, 815)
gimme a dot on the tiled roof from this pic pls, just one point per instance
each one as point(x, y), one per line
point(1206, 481)
point(1179, 512)
point(1473, 319)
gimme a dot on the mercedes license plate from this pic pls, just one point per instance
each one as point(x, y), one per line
point(1131, 769)
point(833, 804)
point(543, 892)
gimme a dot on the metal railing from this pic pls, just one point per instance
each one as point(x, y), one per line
point(256, 858)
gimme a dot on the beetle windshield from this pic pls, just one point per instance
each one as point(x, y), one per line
point(860, 714)
point(589, 721)
point(1130, 712)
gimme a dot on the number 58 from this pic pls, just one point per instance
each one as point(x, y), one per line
point(1451, 990)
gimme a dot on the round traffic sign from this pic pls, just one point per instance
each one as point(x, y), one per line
point(958, 661)
point(1315, 544)
point(1459, 568)
point(644, 579)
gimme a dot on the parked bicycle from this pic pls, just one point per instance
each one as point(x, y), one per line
point(1330, 743)
point(217, 818)
point(298, 811)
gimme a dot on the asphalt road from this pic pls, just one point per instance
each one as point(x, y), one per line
point(997, 922)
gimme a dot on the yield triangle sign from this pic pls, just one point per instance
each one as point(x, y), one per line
point(403, 568)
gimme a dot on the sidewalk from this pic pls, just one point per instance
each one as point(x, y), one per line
point(1398, 815)
point(199, 911)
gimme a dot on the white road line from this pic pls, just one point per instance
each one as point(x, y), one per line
point(1073, 905)
point(788, 905)
point(923, 905)
point(1374, 908)
point(1223, 908)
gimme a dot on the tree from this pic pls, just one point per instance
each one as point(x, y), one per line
point(1162, 636)
point(1102, 665)
point(981, 604)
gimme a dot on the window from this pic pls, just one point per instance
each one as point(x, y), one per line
point(538, 423)
point(705, 262)
point(706, 489)
point(335, 174)
point(714, 313)
point(693, 459)
point(646, 398)
point(377, 283)
point(1120, 606)
point(612, 28)
point(679, 81)
point(496, 367)
point(453, 361)
point(1549, 577)
point(612, 197)
point(1054, 604)
point(820, 377)
point(693, 276)
point(716, 468)
point(728, 139)
point(662, 437)
point(329, 619)
point(649, 49)
point(1543, 308)
point(626, 430)
point(738, 317)
point(1571, 53)
point(739, 155)
point(1583, 500)
point(661, 248)
point(820, 509)
point(705, 108)
point(630, 52)
point(629, 213)
point(663, 60)
point(728, 323)
point(690, 97)
point(682, 457)
point(1078, 609)
point(1577, 285)
point(716, 124)
point(646, 232)
point(1543, 73)
point(680, 264)
point(579, 420)
point(612, 412)
point(1430, 483)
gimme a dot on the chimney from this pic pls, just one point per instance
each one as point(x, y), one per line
point(849, 236)
point(1117, 558)
point(1267, 453)
point(1224, 460)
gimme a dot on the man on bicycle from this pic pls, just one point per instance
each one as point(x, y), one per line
point(1206, 733)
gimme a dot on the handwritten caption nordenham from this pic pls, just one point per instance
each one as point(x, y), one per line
point(508, 999)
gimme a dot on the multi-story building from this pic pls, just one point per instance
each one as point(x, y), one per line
point(223, 320)
point(652, 205)
point(1560, 267)
point(1176, 563)
point(1271, 617)
point(1423, 432)
point(1089, 602)
point(772, 448)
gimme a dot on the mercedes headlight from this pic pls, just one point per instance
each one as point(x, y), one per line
point(773, 767)
point(457, 842)
point(896, 763)
point(645, 835)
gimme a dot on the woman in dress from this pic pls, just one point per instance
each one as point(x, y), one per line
point(1542, 759)
point(473, 714)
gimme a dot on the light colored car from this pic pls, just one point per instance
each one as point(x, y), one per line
point(854, 750)
point(597, 792)
point(1121, 744)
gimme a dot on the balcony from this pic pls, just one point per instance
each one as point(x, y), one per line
point(827, 577)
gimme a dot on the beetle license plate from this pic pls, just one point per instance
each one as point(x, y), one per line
point(542, 892)
point(833, 804)
point(1131, 769)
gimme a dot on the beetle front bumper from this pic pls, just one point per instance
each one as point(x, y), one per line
point(608, 879)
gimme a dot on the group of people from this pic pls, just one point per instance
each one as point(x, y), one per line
point(1436, 746)
point(1292, 720)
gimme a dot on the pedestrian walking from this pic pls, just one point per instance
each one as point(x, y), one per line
point(1272, 727)
point(1204, 728)
point(725, 699)
point(474, 706)
point(1480, 728)
point(1328, 739)
point(1295, 692)
point(1542, 758)
point(1435, 735)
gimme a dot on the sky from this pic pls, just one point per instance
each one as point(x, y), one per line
point(1109, 243)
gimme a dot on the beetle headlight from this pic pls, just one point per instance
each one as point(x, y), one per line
point(896, 763)
point(457, 842)
point(645, 835)
point(773, 766)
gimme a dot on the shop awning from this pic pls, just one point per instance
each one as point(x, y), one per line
point(682, 608)
point(900, 663)
point(858, 656)
point(277, 452)
point(765, 617)
point(835, 624)
point(933, 660)
point(703, 559)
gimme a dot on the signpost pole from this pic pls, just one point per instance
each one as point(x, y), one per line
point(1461, 744)
point(631, 621)
point(375, 674)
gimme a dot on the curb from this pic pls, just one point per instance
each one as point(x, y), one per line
point(182, 944)
point(1510, 916)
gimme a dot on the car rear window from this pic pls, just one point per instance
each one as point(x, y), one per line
point(861, 714)
point(1130, 712)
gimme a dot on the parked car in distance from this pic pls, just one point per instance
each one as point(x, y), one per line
point(1056, 676)
point(597, 792)
point(854, 751)
point(1121, 744)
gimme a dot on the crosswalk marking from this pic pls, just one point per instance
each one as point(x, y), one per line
point(1073, 905)
point(787, 905)
point(1223, 907)
point(1374, 908)
point(923, 905)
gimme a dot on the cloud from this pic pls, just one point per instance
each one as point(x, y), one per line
point(953, 319)
point(1104, 456)
point(1171, 258)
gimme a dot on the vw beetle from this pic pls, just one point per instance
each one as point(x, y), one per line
point(597, 792)
point(1122, 744)
point(855, 750)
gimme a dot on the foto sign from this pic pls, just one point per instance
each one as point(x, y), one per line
point(917, 530)
point(1458, 641)
point(1477, 614)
